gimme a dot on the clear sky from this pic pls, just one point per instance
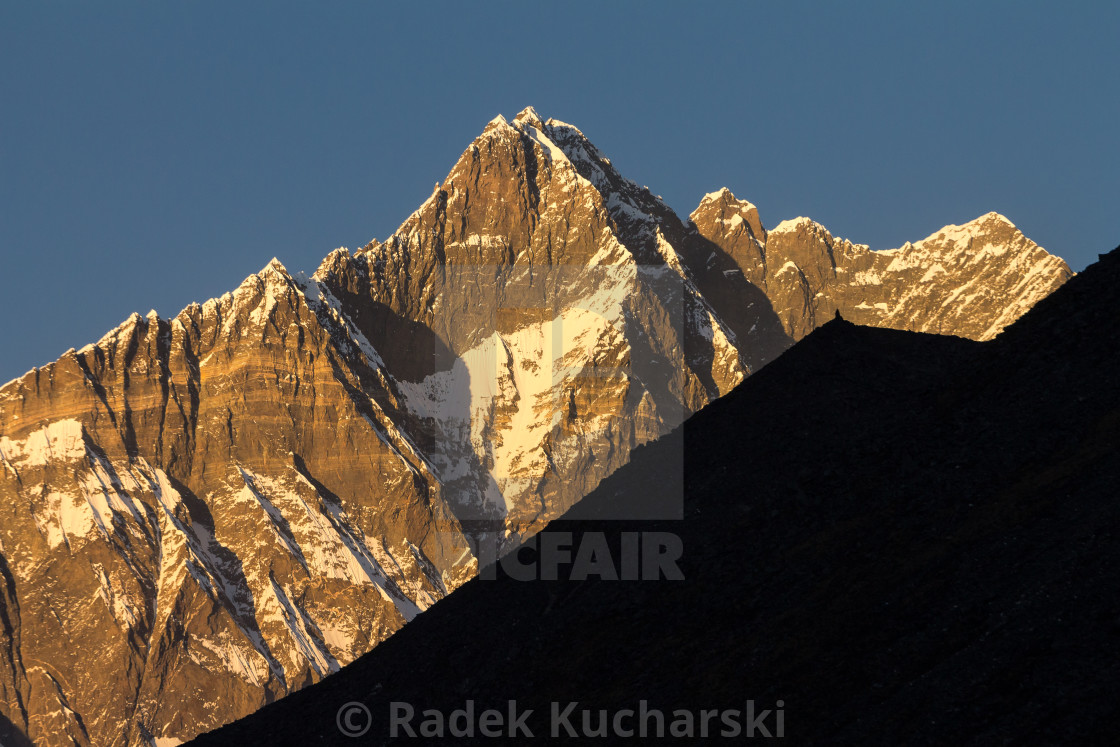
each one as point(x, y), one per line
point(152, 154)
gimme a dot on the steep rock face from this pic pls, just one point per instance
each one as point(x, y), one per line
point(970, 280)
point(203, 513)
point(182, 525)
point(540, 320)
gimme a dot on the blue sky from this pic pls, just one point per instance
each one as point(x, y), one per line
point(152, 154)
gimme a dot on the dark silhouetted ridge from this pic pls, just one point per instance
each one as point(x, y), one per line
point(906, 538)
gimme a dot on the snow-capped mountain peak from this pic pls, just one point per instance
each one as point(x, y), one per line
point(249, 495)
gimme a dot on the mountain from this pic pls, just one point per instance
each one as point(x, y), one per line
point(970, 280)
point(888, 537)
point(203, 513)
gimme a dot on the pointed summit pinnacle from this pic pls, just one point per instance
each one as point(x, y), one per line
point(529, 116)
point(274, 266)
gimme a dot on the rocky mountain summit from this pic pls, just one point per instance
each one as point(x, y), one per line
point(200, 514)
point(970, 280)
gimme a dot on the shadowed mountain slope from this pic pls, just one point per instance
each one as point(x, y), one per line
point(905, 538)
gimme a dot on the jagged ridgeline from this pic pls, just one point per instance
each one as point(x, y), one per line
point(203, 513)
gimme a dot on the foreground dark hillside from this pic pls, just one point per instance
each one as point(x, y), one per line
point(905, 538)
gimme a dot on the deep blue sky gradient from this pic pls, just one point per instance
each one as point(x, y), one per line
point(152, 154)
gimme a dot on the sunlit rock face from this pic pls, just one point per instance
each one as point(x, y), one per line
point(970, 280)
point(203, 513)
